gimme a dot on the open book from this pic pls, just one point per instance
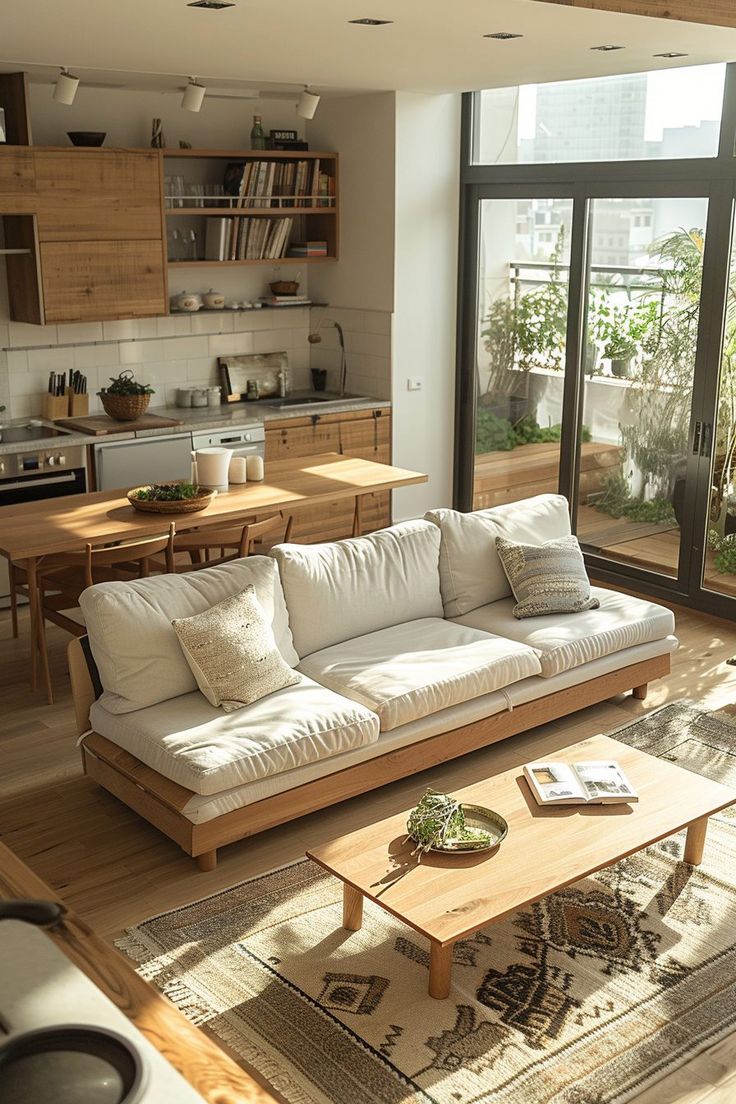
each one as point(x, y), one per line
point(593, 782)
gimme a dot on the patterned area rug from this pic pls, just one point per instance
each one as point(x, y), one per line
point(587, 997)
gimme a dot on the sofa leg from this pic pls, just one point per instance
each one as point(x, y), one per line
point(640, 692)
point(207, 860)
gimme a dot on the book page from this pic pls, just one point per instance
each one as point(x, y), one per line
point(555, 781)
point(603, 780)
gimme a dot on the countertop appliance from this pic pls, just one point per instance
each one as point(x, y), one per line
point(42, 991)
point(156, 459)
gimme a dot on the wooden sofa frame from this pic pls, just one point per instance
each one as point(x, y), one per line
point(160, 801)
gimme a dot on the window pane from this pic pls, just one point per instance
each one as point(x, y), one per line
point(524, 259)
point(641, 336)
point(666, 114)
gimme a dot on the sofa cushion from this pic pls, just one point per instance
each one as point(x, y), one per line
point(134, 645)
point(208, 751)
point(471, 574)
point(566, 642)
point(351, 587)
point(418, 668)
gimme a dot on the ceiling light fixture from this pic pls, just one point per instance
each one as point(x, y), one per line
point(66, 87)
point(371, 22)
point(307, 104)
point(193, 97)
point(503, 36)
point(211, 5)
point(670, 54)
point(607, 48)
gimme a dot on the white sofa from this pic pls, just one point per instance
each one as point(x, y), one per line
point(409, 655)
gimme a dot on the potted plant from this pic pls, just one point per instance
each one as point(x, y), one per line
point(620, 350)
point(125, 399)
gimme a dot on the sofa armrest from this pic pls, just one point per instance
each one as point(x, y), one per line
point(85, 680)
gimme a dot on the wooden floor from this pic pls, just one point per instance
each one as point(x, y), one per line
point(116, 870)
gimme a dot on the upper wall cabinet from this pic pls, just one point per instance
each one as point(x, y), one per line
point(98, 195)
point(17, 180)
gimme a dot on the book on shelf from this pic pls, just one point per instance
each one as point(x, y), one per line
point(285, 300)
point(308, 249)
point(217, 239)
point(299, 183)
point(590, 782)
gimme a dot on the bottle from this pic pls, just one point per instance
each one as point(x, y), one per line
point(257, 137)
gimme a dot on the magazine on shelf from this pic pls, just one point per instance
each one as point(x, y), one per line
point(591, 782)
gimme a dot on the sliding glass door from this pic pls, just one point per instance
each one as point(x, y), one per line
point(519, 346)
point(641, 337)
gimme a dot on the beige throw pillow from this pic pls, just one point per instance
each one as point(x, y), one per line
point(232, 652)
point(546, 578)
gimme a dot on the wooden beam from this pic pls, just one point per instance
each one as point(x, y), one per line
point(716, 13)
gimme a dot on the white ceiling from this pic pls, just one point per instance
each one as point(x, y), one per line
point(432, 46)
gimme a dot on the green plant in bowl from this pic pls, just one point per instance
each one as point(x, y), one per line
point(170, 492)
point(126, 384)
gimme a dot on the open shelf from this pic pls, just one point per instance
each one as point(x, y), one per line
point(267, 261)
point(247, 212)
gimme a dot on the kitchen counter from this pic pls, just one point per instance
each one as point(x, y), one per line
point(195, 419)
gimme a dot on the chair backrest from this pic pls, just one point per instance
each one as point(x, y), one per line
point(242, 540)
point(127, 552)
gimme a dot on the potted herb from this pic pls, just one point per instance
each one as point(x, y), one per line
point(125, 399)
point(620, 350)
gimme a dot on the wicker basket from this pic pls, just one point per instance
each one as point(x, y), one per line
point(284, 287)
point(183, 506)
point(124, 408)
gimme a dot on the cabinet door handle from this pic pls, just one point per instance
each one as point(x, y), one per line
point(696, 438)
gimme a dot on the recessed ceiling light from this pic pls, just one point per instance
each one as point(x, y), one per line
point(504, 36)
point(670, 54)
point(371, 22)
point(607, 47)
point(213, 5)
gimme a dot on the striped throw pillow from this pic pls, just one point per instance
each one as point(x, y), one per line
point(546, 578)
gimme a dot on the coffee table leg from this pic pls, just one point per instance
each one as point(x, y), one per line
point(440, 970)
point(695, 841)
point(352, 908)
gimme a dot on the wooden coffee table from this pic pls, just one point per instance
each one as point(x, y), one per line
point(447, 898)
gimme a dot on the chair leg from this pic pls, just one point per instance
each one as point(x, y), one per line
point(13, 599)
point(43, 651)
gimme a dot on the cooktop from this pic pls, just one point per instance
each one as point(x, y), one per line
point(18, 433)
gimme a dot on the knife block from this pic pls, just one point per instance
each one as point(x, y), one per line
point(54, 407)
point(78, 404)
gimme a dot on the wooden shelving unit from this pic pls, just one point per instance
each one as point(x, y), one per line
point(318, 222)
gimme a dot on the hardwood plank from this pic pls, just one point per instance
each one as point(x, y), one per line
point(718, 13)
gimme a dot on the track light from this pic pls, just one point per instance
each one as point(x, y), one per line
point(193, 97)
point(66, 87)
point(308, 104)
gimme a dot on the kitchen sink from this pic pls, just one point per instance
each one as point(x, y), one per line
point(313, 400)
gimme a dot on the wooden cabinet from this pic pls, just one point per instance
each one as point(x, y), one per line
point(362, 433)
point(98, 195)
point(90, 281)
point(17, 180)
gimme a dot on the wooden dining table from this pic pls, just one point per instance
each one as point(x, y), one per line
point(31, 531)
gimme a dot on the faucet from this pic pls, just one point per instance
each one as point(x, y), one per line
point(314, 339)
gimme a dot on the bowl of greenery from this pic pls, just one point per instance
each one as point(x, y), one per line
point(178, 497)
point(441, 823)
point(125, 399)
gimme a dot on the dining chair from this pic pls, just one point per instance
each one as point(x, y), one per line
point(231, 543)
point(63, 576)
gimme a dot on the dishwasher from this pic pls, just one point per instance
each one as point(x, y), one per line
point(126, 464)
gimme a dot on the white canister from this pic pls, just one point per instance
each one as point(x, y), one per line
point(255, 470)
point(213, 396)
point(199, 396)
point(238, 471)
point(212, 466)
point(184, 396)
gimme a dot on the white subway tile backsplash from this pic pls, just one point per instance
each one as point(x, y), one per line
point(378, 322)
point(125, 330)
point(215, 322)
point(59, 359)
point(78, 332)
point(235, 344)
point(372, 344)
point(88, 357)
point(142, 352)
point(184, 348)
point(16, 360)
point(23, 335)
point(201, 369)
point(178, 325)
point(270, 341)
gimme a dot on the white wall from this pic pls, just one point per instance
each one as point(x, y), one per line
point(362, 130)
point(425, 280)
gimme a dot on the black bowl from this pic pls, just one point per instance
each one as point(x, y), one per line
point(86, 137)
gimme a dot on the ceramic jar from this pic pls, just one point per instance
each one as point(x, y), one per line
point(186, 301)
point(214, 300)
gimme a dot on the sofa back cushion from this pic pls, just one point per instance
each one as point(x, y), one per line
point(134, 645)
point(352, 587)
point(471, 574)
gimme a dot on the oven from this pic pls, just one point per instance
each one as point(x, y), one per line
point(42, 473)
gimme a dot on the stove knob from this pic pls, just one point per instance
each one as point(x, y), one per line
point(52, 461)
point(61, 459)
